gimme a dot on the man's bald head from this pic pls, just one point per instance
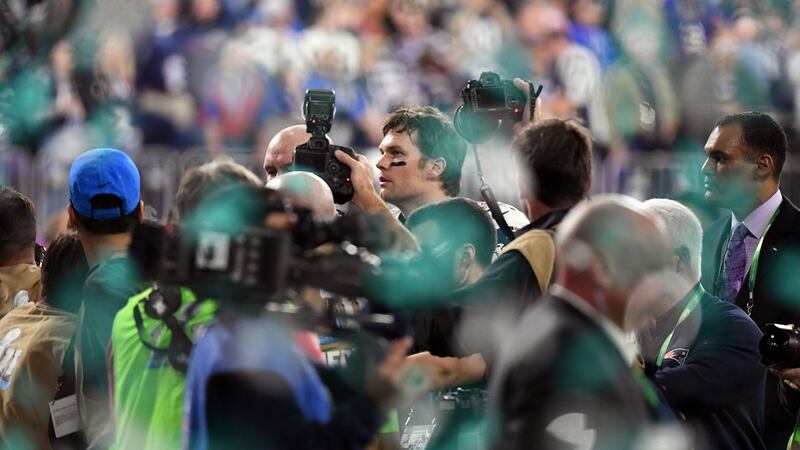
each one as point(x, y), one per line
point(613, 245)
point(280, 150)
point(306, 190)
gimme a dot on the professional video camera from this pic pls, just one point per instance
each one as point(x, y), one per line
point(226, 252)
point(316, 155)
point(488, 101)
point(780, 346)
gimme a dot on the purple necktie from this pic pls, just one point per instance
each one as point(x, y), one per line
point(735, 263)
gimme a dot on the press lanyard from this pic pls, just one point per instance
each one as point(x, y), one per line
point(698, 294)
point(751, 279)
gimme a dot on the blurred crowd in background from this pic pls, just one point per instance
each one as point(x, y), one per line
point(222, 76)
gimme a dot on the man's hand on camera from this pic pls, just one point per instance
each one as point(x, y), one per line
point(525, 87)
point(361, 175)
point(367, 199)
point(789, 377)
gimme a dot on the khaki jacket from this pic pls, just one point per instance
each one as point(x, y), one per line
point(19, 284)
point(33, 341)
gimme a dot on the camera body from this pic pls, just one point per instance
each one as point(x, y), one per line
point(317, 155)
point(493, 98)
point(225, 252)
point(489, 102)
point(780, 346)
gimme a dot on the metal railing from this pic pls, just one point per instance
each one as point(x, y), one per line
point(653, 174)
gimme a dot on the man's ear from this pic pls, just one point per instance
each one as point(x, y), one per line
point(436, 167)
point(466, 255)
point(765, 166)
point(140, 211)
point(683, 256)
point(72, 219)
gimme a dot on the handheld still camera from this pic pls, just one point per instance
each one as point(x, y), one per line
point(488, 101)
point(316, 155)
point(780, 346)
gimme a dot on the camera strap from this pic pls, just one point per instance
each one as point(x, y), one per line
point(534, 95)
point(180, 345)
point(491, 201)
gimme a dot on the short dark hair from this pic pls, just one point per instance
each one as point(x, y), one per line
point(18, 217)
point(436, 138)
point(461, 221)
point(198, 182)
point(64, 271)
point(762, 134)
point(114, 225)
point(556, 156)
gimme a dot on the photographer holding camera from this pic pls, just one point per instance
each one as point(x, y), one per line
point(288, 405)
point(148, 390)
point(554, 173)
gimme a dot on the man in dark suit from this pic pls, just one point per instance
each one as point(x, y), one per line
point(751, 257)
point(693, 347)
point(564, 378)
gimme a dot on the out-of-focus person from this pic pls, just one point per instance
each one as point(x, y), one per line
point(148, 389)
point(290, 405)
point(564, 377)
point(747, 255)
point(20, 277)
point(457, 240)
point(731, 88)
point(104, 207)
point(702, 352)
point(571, 72)
point(37, 385)
point(57, 224)
point(280, 151)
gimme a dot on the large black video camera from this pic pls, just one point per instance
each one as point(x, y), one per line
point(225, 251)
point(488, 101)
point(316, 155)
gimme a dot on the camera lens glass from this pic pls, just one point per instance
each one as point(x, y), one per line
point(779, 348)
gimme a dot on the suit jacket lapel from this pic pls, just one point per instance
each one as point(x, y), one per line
point(781, 227)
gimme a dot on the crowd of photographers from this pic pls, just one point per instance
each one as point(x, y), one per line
point(407, 316)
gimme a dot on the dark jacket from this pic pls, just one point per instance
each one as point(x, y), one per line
point(508, 282)
point(714, 342)
point(777, 291)
point(564, 368)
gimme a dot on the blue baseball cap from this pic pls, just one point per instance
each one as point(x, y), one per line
point(103, 171)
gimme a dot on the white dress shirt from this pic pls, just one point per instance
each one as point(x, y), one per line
point(756, 223)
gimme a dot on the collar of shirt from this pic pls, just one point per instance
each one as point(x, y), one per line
point(625, 342)
point(757, 220)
